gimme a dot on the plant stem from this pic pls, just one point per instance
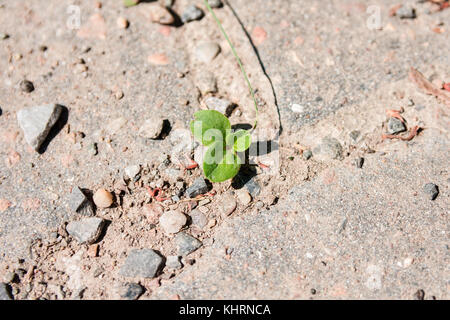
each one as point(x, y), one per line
point(252, 93)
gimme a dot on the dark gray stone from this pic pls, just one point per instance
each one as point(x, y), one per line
point(131, 291)
point(191, 13)
point(79, 203)
point(198, 187)
point(144, 263)
point(36, 122)
point(253, 188)
point(395, 126)
point(86, 230)
point(5, 293)
point(431, 190)
point(186, 244)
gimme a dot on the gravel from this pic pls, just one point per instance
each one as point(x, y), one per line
point(131, 291)
point(354, 135)
point(103, 198)
point(186, 244)
point(395, 126)
point(36, 123)
point(431, 190)
point(227, 205)
point(191, 13)
point(406, 12)
point(198, 219)
point(207, 51)
point(132, 171)
point(144, 263)
point(253, 187)
point(330, 148)
point(79, 203)
point(173, 262)
point(26, 86)
point(206, 82)
point(5, 292)
point(215, 3)
point(197, 188)
point(87, 230)
point(359, 162)
point(152, 128)
point(222, 105)
point(307, 154)
point(243, 197)
point(172, 221)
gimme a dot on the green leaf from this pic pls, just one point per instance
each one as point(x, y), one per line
point(210, 126)
point(220, 164)
point(130, 3)
point(240, 140)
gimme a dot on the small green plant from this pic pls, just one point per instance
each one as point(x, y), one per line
point(221, 161)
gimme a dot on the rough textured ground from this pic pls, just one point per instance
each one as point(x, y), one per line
point(319, 228)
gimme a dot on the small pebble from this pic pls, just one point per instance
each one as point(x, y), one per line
point(395, 126)
point(243, 197)
point(297, 108)
point(86, 230)
point(330, 148)
point(431, 190)
point(103, 198)
point(222, 105)
point(26, 86)
point(186, 244)
point(191, 13)
point(207, 51)
point(131, 291)
point(206, 83)
point(173, 262)
point(79, 203)
point(36, 122)
point(198, 219)
point(132, 171)
point(228, 205)
point(152, 128)
point(161, 15)
point(406, 12)
point(215, 3)
point(143, 263)
point(172, 221)
point(3, 36)
point(354, 135)
point(307, 154)
point(197, 188)
point(122, 23)
point(359, 162)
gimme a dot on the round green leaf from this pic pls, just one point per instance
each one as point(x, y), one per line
point(220, 164)
point(240, 140)
point(209, 126)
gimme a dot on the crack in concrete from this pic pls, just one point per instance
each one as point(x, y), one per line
point(256, 51)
